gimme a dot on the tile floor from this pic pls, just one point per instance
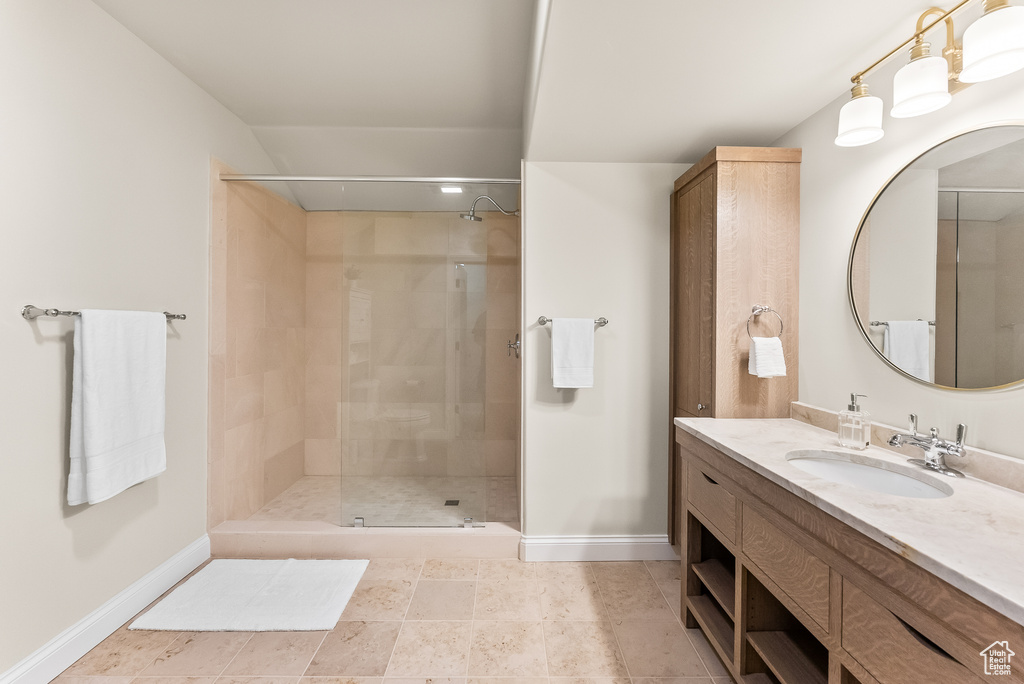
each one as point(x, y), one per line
point(395, 501)
point(435, 620)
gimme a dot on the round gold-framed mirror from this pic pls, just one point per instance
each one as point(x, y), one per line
point(936, 270)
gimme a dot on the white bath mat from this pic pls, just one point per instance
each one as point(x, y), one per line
point(258, 596)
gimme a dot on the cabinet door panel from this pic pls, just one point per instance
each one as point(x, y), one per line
point(693, 262)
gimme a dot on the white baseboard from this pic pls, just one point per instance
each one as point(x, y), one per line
point(596, 548)
point(74, 642)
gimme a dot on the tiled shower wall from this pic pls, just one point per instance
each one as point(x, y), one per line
point(257, 348)
point(408, 314)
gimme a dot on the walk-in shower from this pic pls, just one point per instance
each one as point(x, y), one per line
point(404, 410)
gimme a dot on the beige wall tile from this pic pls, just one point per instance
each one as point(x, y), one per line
point(467, 238)
point(323, 457)
point(324, 234)
point(502, 237)
point(246, 300)
point(424, 274)
point(323, 384)
point(283, 389)
point(253, 251)
point(467, 458)
point(243, 400)
point(283, 430)
point(502, 456)
point(502, 421)
point(408, 235)
point(283, 470)
point(285, 347)
point(322, 420)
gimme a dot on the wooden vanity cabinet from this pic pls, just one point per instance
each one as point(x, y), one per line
point(735, 223)
point(785, 593)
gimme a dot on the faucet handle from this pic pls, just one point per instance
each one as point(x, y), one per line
point(934, 433)
point(961, 434)
point(912, 428)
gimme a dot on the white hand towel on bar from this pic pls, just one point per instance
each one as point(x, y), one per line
point(117, 403)
point(767, 359)
point(572, 352)
point(908, 345)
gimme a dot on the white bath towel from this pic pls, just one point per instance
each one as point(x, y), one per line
point(117, 403)
point(767, 359)
point(572, 352)
point(907, 344)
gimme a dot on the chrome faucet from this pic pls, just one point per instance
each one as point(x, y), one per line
point(935, 449)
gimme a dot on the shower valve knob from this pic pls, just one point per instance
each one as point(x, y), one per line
point(514, 346)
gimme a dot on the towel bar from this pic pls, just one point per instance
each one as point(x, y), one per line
point(599, 322)
point(30, 312)
point(886, 323)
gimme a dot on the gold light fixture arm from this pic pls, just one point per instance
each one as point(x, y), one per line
point(944, 15)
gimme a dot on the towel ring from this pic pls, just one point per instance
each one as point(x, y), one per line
point(757, 311)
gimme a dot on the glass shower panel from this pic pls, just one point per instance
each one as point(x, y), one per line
point(429, 396)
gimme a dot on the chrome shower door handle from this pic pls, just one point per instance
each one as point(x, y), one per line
point(514, 346)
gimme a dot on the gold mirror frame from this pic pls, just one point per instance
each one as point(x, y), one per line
point(853, 249)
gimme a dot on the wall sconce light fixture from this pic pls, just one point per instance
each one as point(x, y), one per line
point(992, 46)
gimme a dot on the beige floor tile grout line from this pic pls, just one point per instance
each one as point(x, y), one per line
point(608, 613)
point(316, 650)
point(679, 619)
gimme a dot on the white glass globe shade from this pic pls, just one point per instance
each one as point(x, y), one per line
point(920, 87)
point(994, 45)
point(860, 122)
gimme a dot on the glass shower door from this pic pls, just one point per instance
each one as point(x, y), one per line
point(429, 406)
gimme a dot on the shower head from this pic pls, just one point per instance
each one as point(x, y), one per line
point(471, 216)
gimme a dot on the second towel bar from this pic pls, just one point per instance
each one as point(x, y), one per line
point(30, 312)
point(599, 322)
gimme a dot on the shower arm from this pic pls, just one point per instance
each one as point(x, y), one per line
point(472, 209)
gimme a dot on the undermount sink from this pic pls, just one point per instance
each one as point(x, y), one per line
point(868, 473)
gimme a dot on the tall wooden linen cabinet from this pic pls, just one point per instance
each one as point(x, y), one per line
point(735, 219)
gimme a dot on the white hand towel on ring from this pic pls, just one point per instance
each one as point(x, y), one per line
point(767, 360)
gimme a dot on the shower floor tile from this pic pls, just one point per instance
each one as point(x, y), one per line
point(395, 501)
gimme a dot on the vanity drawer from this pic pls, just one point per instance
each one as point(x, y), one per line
point(801, 575)
point(712, 501)
point(893, 651)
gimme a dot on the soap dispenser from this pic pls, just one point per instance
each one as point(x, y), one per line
point(854, 425)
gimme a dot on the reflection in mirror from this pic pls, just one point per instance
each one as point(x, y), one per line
point(936, 278)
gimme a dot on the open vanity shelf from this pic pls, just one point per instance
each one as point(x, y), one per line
point(786, 594)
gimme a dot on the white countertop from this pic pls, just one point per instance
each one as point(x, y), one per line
point(973, 539)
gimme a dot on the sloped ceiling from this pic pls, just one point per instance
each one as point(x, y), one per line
point(666, 80)
point(439, 87)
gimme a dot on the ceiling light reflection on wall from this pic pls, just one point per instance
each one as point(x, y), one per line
point(992, 46)
point(451, 189)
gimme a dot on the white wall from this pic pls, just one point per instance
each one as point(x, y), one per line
point(104, 198)
point(596, 243)
point(838, 184)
